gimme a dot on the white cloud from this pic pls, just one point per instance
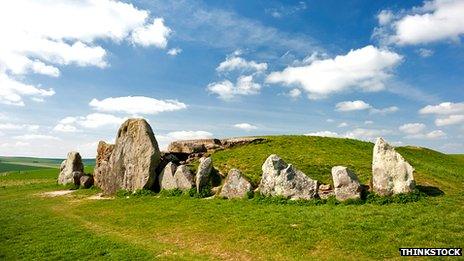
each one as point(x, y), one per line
point(323, 134)
point(136, 104)
point(234, 63)
point(433, 135)
point(425, 52)
point(245, 126)
point(174, 51)
point(342, 125)
point(39, 36)
point(91, 121)
point(436, 20)
point(155, 34)
point(35, 137)
point(12, 91)
point(294, 93)
point(443, 108)
point(386, 110)
point(368, 122)
point(366, 134)
point(352, 106)
point(366, 69)
point(385, 17)
point(329, 120)
point(450, 120)
point(226, 90)
point(412, 128)
point(11, 126)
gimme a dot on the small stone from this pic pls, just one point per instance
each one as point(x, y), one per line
point(184, 178)
point(86, 181)
point(166, 178)
point(203, 172)
point(72, 163)
point(235, 185)
point(346, 184)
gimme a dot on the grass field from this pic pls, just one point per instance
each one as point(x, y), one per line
point(184, 228)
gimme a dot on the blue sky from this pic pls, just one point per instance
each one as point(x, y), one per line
point(71, 72)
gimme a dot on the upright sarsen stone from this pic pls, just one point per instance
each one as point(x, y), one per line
point(391, 174)
point(203, 173)
point(346, 184)
point(73, 163)
point(133, 159)
point(235, 185)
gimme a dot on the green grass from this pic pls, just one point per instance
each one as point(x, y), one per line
point(176, 226)
point(28, 163)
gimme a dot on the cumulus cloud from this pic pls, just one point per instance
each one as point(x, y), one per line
point(367, 69)
point(450, 120)
point(14, 127)
point(294, 93)
point(352, 106)
point(366, 134)
point(434, 21)
point(433, 135)
point(174, 51)
point(155, 34)
point(40, 36)
point(136, 105)
point(226, 90)
point(233, 63)
point(443, 108)
point(368, 122)
point(412, 128)
point(323, 134)
point(245, 126)
point(91, 121)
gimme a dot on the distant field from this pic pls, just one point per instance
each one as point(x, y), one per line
point(184, 228)
point(28, 163)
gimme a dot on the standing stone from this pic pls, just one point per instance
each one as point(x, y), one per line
point(391, 174)
point(72, 163)
point(203, 172)
point(346, 184)
point(235, 185)
point(166, 178)
point(282, 179)
point(77, 177)
point(133, 160)
point(184, 178)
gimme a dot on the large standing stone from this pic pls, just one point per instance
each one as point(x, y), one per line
point(235, 185)
point(166, 178)
point(203, 172)
point(184, 178)
point(346, 184)
point(282, 179)
point(391, 174)
point(71, 164)
point(133, 160)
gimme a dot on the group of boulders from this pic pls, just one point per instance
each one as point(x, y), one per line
point(72, 172)
point(135, 162)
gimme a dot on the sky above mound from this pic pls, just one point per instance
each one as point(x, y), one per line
point(72, 71)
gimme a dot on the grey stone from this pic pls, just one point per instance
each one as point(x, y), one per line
point(235, 185)
point(86, 181)
point(346, 184)
point(166, 178)
point(72, 163)
point(282, 179)
point(391, 174)
point(133, 160)
point(77, 177)
point(184, 178)
point(203, 172)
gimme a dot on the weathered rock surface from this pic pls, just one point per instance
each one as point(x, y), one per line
point(133, 161)
point(204, 145)
point(184, 178)
point(325, 191)
point(77, 177)
point(166, 178)
point(346, 184)
point(231, 142)
point(86, 181)
point(235, 185)
point(282, 179)
point(391, 174)
point(72, 163)
point(203, 172)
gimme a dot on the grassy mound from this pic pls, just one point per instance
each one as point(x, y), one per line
point(175, 227)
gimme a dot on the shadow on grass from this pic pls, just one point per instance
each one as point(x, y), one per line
point(430, 190)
